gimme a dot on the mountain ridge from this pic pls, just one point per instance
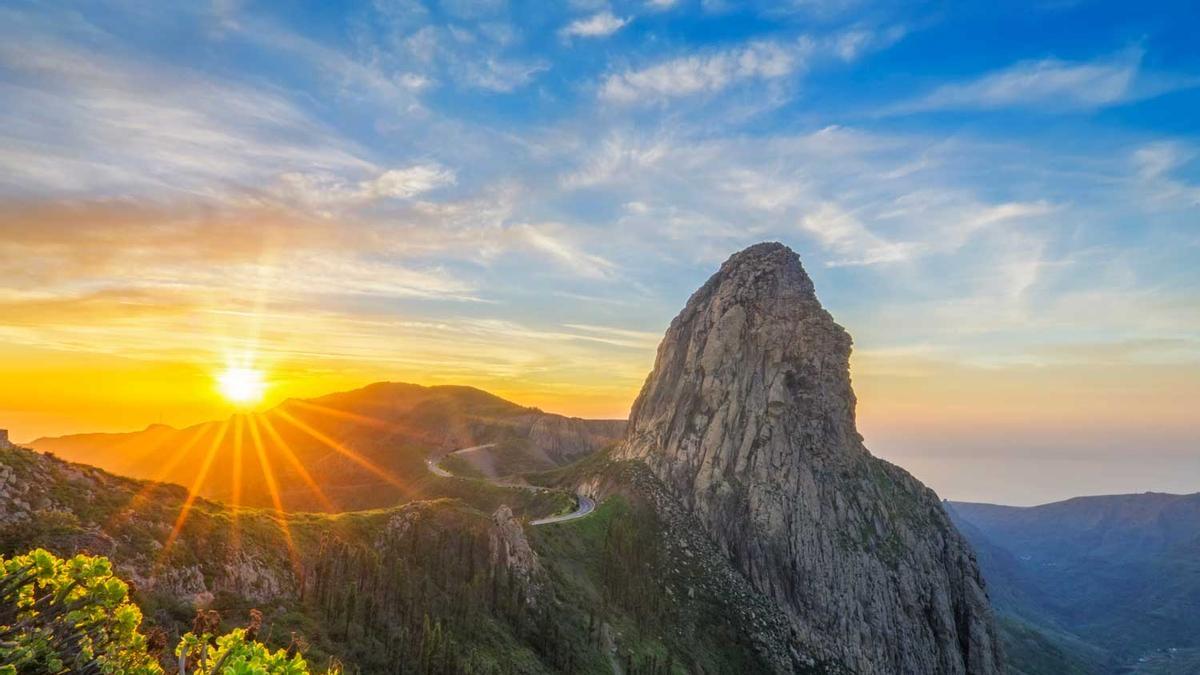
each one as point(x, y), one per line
point(1113, 578)
point(161, 426)
point(322, 451)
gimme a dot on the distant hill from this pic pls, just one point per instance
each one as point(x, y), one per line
point(350, 450)
point(1109, 580)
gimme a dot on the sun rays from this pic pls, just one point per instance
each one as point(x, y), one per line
point(261, 462)
point(338, 447)
point(269, 476)
point(193, 492)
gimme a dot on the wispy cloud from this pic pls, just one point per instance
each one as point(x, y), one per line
point(850, 240)
point(706, 74)
point(1154, 165)
point(1053, 84)
point(853, 43)
point(75, 121)
point(554, 240)
point(325, 190)
point(600, 24)
point(501, 75)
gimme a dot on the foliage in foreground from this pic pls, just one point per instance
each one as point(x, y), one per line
point(75, 616)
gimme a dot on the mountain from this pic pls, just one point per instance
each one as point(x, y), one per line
point(1111, 579)
point(741, 526)
point(439, 585)
point(748, 421)
point(351, 450)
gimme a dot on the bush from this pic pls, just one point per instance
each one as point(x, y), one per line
point(75, 616)
point(68, 615)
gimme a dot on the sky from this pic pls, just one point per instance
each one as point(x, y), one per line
point(1000, 201)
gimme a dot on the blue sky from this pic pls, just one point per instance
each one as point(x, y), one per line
point(1001, 201)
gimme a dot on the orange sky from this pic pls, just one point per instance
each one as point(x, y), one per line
point(527, 215)
point(945, 421)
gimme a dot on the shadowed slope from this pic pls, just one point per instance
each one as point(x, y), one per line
point(1119, 574)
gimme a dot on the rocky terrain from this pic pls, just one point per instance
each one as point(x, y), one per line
point(748, 420)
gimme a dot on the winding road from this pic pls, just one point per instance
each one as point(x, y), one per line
point(583, 504)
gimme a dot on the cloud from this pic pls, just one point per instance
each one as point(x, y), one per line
point(1153, 165)
point(616, 155)
point(75, 121)
point(410, 181)
point(660, 5)
point(552, 239)
point(621, 337)
point(1052, 84)
point(600, 24)
point(706, 74)
point(850, 240)
point(330, 191)
point(486, 55)
point(501, 75)
point(348, 77)
point(851, 44)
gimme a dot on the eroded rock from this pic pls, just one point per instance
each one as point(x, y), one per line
point(748, 419)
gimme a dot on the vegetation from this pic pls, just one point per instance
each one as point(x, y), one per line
point(68, 615)
point(425, 584)
point(657, 609)
point(428, 595)
point(1036, 652)
point(74, 615)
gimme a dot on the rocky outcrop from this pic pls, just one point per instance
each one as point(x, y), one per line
point(748, 419)
point(510, 549)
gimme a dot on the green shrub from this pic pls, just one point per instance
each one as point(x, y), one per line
point(74, 615)
point(68, 615)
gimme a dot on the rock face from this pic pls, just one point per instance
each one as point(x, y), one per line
point(510, 548)
point(748, 418)
point(565, 439)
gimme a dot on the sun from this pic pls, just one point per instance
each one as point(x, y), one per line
point(243, 386)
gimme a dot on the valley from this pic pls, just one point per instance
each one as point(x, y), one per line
point(583, 506)
point(1112, 583)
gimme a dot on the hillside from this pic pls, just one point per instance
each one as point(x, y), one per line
point(351, 450)
point(1110, 580)
point(437, 586)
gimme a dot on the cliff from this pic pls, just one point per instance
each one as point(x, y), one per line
point(748, 419)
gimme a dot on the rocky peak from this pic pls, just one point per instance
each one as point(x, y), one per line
point(510, 548)
point(748, 418)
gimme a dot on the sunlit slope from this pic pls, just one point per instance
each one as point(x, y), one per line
point(418, 584)
point(357, 449)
